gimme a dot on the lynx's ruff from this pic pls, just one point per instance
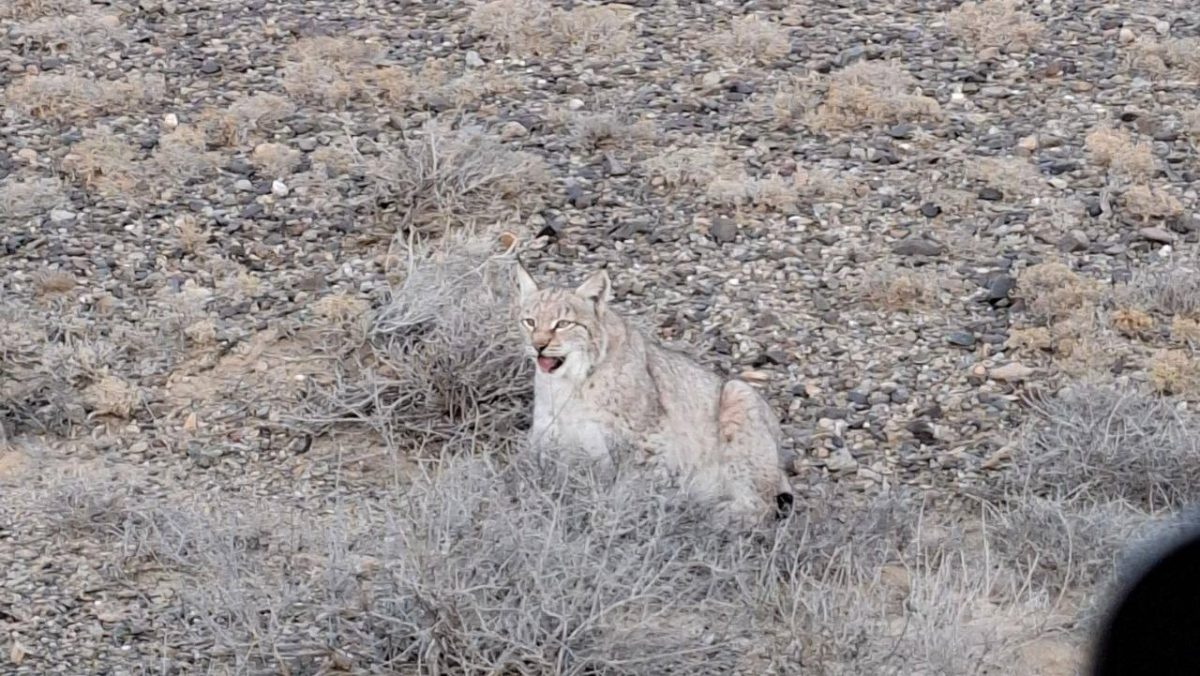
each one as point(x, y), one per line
point(602, 388)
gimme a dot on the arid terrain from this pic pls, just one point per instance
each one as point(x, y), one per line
point(262, 400)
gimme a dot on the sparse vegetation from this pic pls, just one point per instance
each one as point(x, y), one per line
point(994, 23)
point(1175, 372)
point(1052, 291)
point(1014, 177)
point(534, 27)
point(28, 196)
point(63, 98)
point(1116, 150)
point(751, 40)
point(871, 93)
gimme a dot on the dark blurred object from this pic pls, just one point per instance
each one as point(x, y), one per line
point(1154, 627)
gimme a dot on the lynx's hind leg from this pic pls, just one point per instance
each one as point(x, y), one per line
point(750, 447)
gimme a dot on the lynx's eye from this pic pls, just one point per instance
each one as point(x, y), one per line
point(528, 321)
point(563, 324)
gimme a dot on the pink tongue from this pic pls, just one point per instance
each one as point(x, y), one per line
point(546, 363)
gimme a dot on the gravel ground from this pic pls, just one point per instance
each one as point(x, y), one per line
point(835, 200)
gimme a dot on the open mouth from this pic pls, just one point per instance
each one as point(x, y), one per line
point(549, 364)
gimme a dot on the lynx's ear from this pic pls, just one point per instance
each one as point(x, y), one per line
point(596, 288)
point(526, 286)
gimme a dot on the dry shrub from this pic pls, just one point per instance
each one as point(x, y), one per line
point(769, 193)
point(435, 85)
point(275, 159)
point(445, 178)
point(1166, 290)
point(442, 364)
point(818, 184)
point(1147, 203)
point(29, 196)
point(1116, 150)
point(796, 99)
point(994, 23)
point(1016, 178)
point(1191, 124)
point(1180, 56)
point(182, 156)
point(253, 116)
point(105, 163)
point(751, 40)
point(534, 27)
point(1186, 330)
point(1132, 322)
point(889, 288)
point(113, 396)
point(51, 283)
point(870, 93)
point(1096, 443)
point(63, 98)
point(79, 35)
point(687, 167)
point(330, 71)
point(1052, 291)
point(32, 10)
point(618, 131)
point(189, 232)
point(1175, 372)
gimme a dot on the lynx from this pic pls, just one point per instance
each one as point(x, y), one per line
point(601, 388)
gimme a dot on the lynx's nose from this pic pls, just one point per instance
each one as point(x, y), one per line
point(540, 342)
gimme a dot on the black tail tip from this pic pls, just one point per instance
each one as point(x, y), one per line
point(783, 504)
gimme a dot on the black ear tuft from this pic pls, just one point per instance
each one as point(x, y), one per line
point(783, 504)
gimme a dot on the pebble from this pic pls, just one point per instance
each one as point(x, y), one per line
point(723, 229)
point(279, 188)
point(1013, 371)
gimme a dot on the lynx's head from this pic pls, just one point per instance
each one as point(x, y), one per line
point(564, 328)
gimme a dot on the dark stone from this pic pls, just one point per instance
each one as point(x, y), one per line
point(930, 210)
point(210, 67)
point(918, 246)
point(240, 167)
point(961, 338)
point(901, 131)
point(999, 287)
point(858, 398)
point(990, 195)
point(723, 229)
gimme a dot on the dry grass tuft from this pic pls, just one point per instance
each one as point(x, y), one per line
point(534, 27)
point(1132, 322)
point(1175, 373)
point(889, 288)
point(1052, 291)
point(994, 23)
point(1090, 444)
point(182, 156)
point(32, 10)
point(65, 98)
point(79, 35)
point(113, 396)
point(1168, 291)
point(1186, 330)
point(1116, 150)
point(751, 40)
point(1179, 56)
point(330, 71)
point(445, 179)
point(1015, 177)
point(442, 364)
point(687, 168)
point(769, 193)
point(29, 196)
point(615, 131)
point(52, 283)
point(870, 93)
point(1147, 203)
point(104, 163)
point(249, 117)
point(275, 159)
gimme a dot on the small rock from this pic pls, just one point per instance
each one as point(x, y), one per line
point(723, 229)
point(513, 130)
point(900, 396)
point(473, 60)
point(1029, 143)
point(1074, 241)
point(990, 195)
point(279, 188)
point(999, 288)
point(961, 338)
point(170, 121)
point(1013, 371)
point(615, 167)
point(918, 246)
point(901, 131)
point(210, 67)
point(1125, 36)
point(858, 397)
point(1157, 234)
point(841, 461)
point(61, 215)
point(930, 210)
